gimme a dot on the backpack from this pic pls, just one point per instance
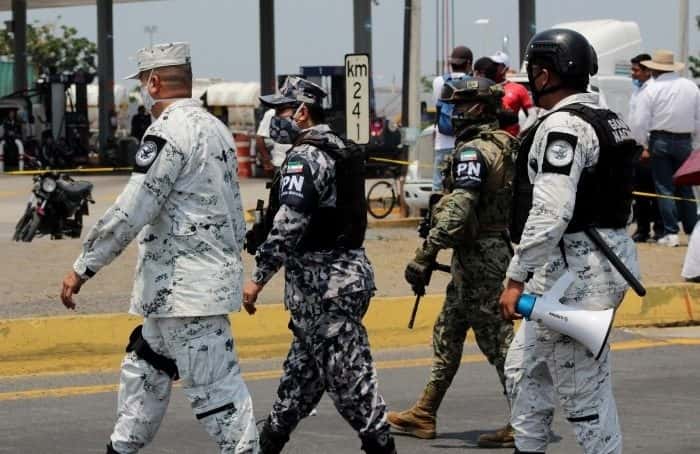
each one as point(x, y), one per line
point(444, 109)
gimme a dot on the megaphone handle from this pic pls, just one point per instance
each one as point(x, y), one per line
point(615, 261)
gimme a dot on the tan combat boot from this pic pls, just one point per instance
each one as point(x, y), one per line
point(418, 420)
point(502, 438)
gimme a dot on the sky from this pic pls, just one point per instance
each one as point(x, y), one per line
point(224, 33)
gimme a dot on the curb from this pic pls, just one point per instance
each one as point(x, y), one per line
point(95, 343)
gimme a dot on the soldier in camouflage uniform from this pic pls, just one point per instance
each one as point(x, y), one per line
point(578, 158)
point(184, 203)
point(472, 220)
point(328, 279)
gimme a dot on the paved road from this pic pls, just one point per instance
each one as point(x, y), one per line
point(656, 390)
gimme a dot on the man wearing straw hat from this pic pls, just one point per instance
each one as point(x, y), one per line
point(667, 116)
point(184, 203)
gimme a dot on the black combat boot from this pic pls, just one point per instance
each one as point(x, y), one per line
point(110, 449)
point(383, 444)
point(271, 442)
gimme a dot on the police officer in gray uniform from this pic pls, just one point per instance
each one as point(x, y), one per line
point(183, 202)
point(318, 212)
point(573, 183)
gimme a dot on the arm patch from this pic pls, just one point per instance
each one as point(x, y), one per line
point(147, 153)
point(297, 189)
point(469, 169)
point(559, 153)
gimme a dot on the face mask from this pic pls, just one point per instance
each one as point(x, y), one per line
point(284, 130)
point(636, 83)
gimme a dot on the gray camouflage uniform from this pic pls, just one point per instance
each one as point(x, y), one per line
point(184, 204)
point(542, 363)
point(327, 294)
point(473, 223)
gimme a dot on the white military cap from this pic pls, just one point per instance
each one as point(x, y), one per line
point(170, 54)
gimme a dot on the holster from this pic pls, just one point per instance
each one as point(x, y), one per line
point(138, 345)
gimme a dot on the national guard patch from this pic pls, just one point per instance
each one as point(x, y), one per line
point(147, 153)
point(559, 153)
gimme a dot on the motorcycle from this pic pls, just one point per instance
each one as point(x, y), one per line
point(56, 207)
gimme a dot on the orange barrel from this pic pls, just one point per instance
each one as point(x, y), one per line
point(245, 162)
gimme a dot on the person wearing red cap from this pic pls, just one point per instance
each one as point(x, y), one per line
point(516, 98)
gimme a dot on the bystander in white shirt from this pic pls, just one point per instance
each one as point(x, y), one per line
point(671, 103)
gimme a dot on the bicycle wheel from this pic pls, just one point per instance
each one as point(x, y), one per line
point(381, 199)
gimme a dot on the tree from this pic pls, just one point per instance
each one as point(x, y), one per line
point(54, 47)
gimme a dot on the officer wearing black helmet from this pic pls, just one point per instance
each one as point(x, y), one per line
point(318, 218)
point(573, 179)
point(472, 219)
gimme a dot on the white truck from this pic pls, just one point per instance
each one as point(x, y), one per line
point(615, 42)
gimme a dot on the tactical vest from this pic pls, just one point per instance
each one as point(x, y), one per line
point(342, 226)
point(604, 191)
point(496, 195)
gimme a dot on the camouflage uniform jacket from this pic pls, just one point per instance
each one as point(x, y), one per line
point(308, 182)
point(183, 198)
point(564, 145)
point(479, 206)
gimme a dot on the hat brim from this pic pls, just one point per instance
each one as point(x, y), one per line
point(133, 76)
point(651, 64)
point(276, 100)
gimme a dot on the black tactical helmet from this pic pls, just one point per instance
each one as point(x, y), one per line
point(464, 92)
point(568, 51)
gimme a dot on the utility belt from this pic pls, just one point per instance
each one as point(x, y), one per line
point(674, 135)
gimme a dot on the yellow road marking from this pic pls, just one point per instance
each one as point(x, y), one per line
point(8, 193)
point(269, 374)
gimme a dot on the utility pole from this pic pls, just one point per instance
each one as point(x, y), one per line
point(683, 35)
point(362, 20)
point(406, 61)
point(19, 34)
point(268, 84)
point(414, 85)
point(526, 25)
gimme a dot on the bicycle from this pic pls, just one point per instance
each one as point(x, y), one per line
point(382, 196)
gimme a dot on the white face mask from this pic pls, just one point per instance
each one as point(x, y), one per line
point(148, 100)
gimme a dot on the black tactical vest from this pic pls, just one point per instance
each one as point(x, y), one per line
point(604, 192)
point(342, 226)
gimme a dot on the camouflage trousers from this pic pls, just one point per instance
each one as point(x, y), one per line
point(544, 367)
point(472, 301)
point(203, 350)
point(331, 354)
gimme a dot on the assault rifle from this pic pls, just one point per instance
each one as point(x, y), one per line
point(256, 235)
point(423, 230)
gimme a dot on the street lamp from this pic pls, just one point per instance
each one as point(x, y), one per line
point(150, 30)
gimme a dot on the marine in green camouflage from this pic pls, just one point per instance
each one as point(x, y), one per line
point(471, 219)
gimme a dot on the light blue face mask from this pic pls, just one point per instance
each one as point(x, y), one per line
point(637, 83)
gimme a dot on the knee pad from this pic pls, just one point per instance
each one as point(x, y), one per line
point(517, 451)
point(383, 444)
point(271, 442)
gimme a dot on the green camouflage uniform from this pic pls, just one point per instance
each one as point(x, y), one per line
point(472, 220)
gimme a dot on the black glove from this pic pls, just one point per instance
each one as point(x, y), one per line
point(418, 276)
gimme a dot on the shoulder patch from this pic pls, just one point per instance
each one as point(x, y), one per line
point(559, 153)
point(469, 169)
point(147, 153)
point(297, 189)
